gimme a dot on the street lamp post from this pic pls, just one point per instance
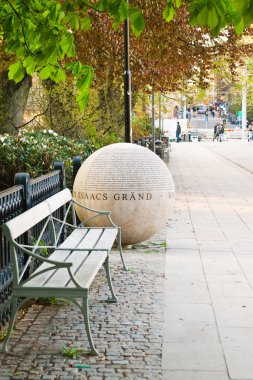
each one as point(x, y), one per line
point(153, 121)
point(127, 85)
point(160, 117)
point(244, 102)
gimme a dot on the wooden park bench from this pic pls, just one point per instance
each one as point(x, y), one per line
point(71, 267)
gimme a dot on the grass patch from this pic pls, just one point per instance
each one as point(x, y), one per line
point(53, 301)
point(72, 352)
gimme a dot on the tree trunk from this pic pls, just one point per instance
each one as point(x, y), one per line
point(13, 100)
point(111, 104)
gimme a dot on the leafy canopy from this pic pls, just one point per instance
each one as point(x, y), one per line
point(40, 33)
point(214, 14)
point(164, 56)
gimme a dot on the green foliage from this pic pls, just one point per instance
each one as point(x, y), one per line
point(232, 85)
point(40, 33)
point(235, 106)
point(214, 14)
point(72, 352)
point(136, 21)
point(217, 14)
point(84, 75)
point(142, 122)
point(170, 9)
point(2, 335)
point(34, 152)
point(53, 301)
point(142, 126)
point(102, 122)
point(41, 243)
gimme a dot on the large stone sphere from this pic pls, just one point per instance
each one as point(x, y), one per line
point(130, 181)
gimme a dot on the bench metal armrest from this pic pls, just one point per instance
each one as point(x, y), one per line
point(59, 264)
point(92, 209)
point(97, 212)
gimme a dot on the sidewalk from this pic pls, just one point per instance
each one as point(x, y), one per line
point(208, 324)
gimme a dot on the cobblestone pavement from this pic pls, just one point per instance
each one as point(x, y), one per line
point(128, 334)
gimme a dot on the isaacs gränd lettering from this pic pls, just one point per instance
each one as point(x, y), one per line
point(115, 196)
point(131, 196)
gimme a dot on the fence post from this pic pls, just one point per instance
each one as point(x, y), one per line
point(24, 180)
point(76, 162)
point(59, 165)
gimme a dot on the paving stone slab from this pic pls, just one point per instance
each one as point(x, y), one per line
point(195, 375)
point(237, 343)
point(193, 356)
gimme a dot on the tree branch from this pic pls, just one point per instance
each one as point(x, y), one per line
point(107, 130)
point(31, 120)
point(32, 12)
point(22, 28)
point(186, 42)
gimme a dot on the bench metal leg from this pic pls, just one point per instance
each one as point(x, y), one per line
point(85, 311)
point(120, 250)
point(14, 309)
point(113, 298)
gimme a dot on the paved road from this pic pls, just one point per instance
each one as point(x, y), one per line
point(200, 122)
point(208, 328)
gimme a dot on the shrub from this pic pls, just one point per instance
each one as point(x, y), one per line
point(34, 153)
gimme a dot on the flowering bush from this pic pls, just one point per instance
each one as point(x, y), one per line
point(34, 152)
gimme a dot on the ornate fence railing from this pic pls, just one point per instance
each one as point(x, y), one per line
point(25, 194)
point(11, 205)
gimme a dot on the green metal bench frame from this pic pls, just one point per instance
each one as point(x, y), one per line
point(69, 271)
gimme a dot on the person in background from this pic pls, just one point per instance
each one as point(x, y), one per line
point(178, 132)
point(216, 131)
point(250, 132)
point(221, 133)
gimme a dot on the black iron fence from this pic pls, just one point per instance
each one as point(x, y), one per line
point(25, 194)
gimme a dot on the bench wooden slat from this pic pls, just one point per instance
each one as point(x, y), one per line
point(61, 255)
point(107, 239)
point(87, 272)
point(28, 219)
point(58, 200)
point(60, 277)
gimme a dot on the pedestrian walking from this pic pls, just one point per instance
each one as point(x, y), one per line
point(221, 133)
point(206, 115)
point(178, 132)
point(216, 131)
point(250, 132)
